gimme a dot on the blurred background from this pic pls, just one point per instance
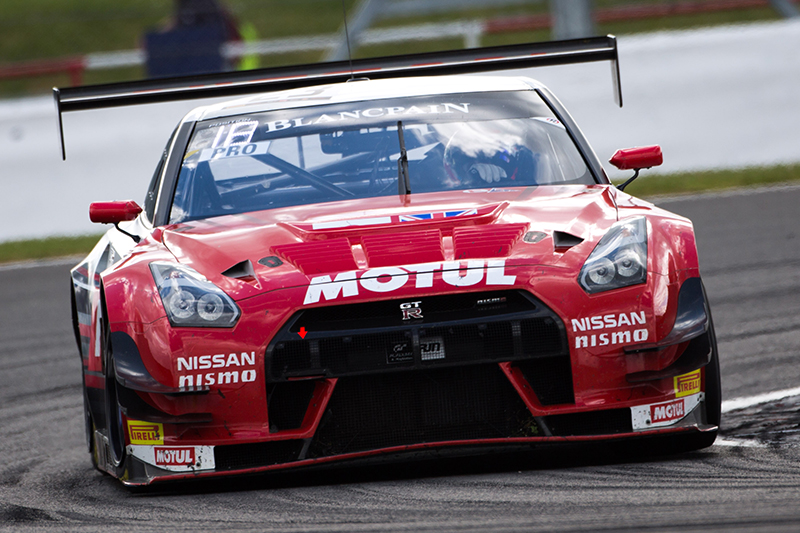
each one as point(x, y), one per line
point(47, 43)
point(712, 81)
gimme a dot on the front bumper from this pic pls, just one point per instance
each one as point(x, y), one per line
point(505, 377)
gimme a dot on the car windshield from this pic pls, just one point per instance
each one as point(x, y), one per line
point(374, 148)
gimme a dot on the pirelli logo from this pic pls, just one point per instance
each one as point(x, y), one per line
point(687, 384)
point(145, 432)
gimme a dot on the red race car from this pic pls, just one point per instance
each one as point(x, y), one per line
point(332, 269)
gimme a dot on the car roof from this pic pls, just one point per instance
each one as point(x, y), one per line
point(362, 90)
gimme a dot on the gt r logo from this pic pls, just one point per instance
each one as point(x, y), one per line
point(411, 310)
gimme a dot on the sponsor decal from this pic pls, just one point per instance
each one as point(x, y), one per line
point(550, 120)
point(395, 219)
point(361, 114)
point(491, 301)
point(388, 279)
point(664, 413)
point(687, 384)
point(668, 411)
point(399, 352)
point(437, 216)
point(232, 133)
point(411, 310)
point(234, 150)
point(607, 321)
point(175, 458)
point(145, 432)
point(610, 321)
point(611, 339)
point(431, 348)
point(224, 369)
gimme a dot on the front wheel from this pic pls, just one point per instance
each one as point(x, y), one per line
point(114, 420)
point(712, 407)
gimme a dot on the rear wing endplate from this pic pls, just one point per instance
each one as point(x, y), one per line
point(280, 78)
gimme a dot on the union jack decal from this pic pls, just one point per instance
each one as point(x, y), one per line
point(395, 219)
point(439, 215)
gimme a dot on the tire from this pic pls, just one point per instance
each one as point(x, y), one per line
point(712, 408)
point(713, 381)
point(87, 415)
point(114, 420)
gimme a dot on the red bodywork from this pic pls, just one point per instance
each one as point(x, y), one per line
point(378, 258)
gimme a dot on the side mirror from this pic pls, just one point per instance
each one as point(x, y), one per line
point(636, 159)
point(114, 213)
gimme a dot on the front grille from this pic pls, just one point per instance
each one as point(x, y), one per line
point(551, 379)
point(458, 329)
point(287, 404)
point(605, 422)
point(239, 456)
point(435, 405)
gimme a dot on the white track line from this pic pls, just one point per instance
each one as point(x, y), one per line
point(743, 403)
point(739, 443)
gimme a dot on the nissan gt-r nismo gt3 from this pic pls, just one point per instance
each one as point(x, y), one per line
point(359, 269)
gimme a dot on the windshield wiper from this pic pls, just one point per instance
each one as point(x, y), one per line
point(403, 184)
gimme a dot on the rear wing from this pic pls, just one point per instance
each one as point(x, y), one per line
point(280, 78)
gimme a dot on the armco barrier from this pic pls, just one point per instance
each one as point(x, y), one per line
point(74, 66)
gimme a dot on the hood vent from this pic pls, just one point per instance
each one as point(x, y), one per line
point(401, 248)
point(318, 257)
point(563, 241)
point(495, 240)
point(242, 271)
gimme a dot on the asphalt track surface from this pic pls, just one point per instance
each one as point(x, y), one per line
point(750, 256)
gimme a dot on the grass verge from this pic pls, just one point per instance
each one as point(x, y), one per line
point(25, 250)
point(710, 180)
point(645, 187)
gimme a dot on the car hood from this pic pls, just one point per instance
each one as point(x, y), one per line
point(251, 253)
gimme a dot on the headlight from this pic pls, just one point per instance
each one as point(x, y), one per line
point(190, 299)
point(619, 259)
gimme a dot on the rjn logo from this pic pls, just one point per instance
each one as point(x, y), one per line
point(411, 310)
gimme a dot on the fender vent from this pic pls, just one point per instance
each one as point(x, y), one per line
point(563, 241)
point(241, 271)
